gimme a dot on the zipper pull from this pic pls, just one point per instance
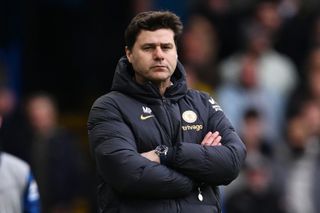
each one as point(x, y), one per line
point(200, 197)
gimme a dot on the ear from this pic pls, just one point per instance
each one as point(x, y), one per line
point(128, 54)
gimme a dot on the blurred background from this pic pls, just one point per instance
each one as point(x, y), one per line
point(260, 59)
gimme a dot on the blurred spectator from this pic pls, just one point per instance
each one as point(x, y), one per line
point(298, 34)
point(199, 52)
point(252, 133)
point(266, 14)
point(225, 21)
point(298, 161)
point(311, 113)
point(258, 195)
point(56, 159)
point(309, 88)
point(274, 75)
point(18, 189)
point(15, 135)
point(237, 97)
point(270, 63)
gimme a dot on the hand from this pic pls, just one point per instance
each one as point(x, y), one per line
point(151, 155)
point(212, 139)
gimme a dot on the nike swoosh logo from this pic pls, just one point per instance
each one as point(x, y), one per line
point(142, 117)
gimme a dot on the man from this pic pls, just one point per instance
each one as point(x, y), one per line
point(158, 146)
point(18, 189)
point(60, 181)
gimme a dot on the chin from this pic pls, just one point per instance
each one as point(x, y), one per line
point(160, 76)
point(159, 79)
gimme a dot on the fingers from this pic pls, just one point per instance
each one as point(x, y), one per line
point(212, 139)
point(216, 139)
point(206, 138)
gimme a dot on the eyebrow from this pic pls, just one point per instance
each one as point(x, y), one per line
point(155, 44)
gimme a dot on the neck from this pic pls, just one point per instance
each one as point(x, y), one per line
point(163, 86)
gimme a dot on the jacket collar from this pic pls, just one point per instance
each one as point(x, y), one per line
point(124, 82)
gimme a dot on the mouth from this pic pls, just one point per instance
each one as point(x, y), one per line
point(157, 67)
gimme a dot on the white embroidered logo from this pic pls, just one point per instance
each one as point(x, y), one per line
point(146, 110)
point(214, 104)
point(146, 113)
point(145, 117)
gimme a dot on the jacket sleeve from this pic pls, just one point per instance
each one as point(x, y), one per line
point(214, 165)
point(121, 166)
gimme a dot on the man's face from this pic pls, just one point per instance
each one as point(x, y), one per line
point(153, 56)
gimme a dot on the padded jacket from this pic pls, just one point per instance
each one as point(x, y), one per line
point(134, 118)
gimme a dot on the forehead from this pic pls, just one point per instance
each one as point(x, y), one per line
point(157, 36)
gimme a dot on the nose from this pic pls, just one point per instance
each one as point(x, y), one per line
point(158, 53)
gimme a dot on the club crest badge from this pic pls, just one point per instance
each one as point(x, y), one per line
point(189, 116)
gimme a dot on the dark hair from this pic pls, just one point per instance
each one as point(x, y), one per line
point(151, 21)
point(251, 112)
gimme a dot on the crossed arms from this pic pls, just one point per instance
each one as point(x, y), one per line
point(215, 161)
point(211, 139)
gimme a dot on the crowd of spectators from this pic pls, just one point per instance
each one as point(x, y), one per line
point(262, 66)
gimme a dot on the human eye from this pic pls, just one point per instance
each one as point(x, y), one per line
point(167, 47)
point(147, 48)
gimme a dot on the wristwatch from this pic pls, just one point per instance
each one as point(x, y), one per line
point(162, 151)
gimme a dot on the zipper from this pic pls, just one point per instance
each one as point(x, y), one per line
point(164, 131)
point(218, 205)
point(178, 206)
point(164, 104)
point(217, 198)
point(200, 196)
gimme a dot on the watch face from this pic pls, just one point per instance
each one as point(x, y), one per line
point(161, 149)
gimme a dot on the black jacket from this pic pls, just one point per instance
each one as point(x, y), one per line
point(134, 118)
